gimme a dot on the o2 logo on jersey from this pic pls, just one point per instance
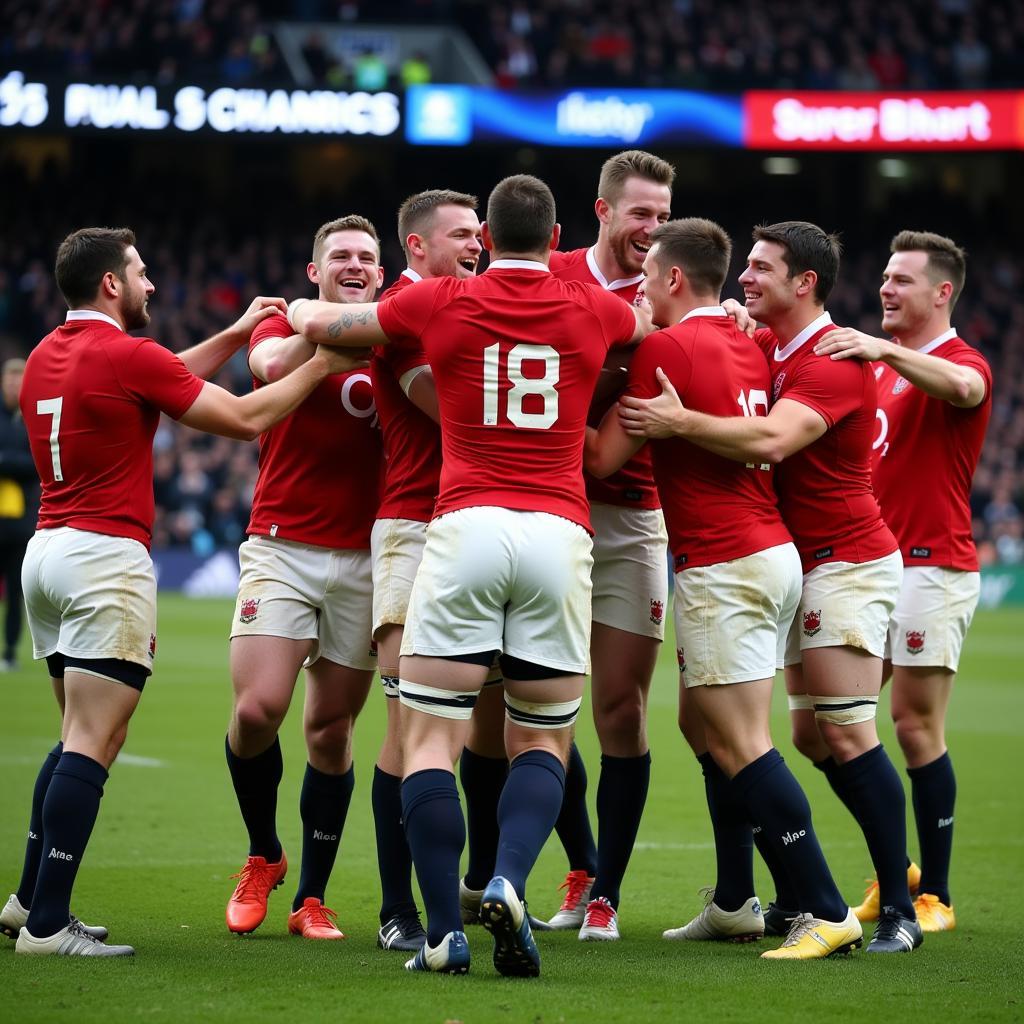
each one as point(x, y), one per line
point(359, 403)
point(883, 430)
point(915, 641)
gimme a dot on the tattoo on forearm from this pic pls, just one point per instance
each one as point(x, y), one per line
point(347, 320)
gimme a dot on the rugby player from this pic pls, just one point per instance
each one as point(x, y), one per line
point(820, 427)
point(91, 399)
point(440, 234)
point(305, 598)
point(506, 566)
point(934, 404)
point(630, 578)
point(738, 576)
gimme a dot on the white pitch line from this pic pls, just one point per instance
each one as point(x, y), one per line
point(140, 762)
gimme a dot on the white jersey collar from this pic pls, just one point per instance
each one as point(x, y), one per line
point(412, 275)
point(808, 332)
point(519, 265)
point(936, 342)
point(705, 311)
point(622, 282)
point(91, 314)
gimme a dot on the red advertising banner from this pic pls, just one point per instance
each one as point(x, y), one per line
point(883, 121)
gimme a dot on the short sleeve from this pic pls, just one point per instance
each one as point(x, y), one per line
point(159, 378)
point(276, 326)
point(404, 314)
point(658, 350)
point(833, 389)
point(617, 317)
point(971, 357)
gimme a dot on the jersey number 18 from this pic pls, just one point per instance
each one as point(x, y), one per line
point(521, 386)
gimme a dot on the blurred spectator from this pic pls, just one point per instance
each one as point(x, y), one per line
point(369, 71)
point(415, 70)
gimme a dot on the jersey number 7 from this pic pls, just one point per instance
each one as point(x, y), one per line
point(52, 407)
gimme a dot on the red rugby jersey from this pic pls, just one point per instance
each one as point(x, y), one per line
point(925, 453)
point(716, 510)
point(824, 489)
point(515, 355)
point(320, 468)
point(412, 440)
point(91, 400)
point(633, 485)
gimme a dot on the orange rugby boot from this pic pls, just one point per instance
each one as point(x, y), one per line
point(248, 904)
point(314, 921)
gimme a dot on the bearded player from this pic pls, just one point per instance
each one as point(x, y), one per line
point(305, 598)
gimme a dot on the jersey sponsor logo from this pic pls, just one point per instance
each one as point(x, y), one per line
point(812, 622)
point(879, 370)
point(920, 552)
point(680, 561)
point(900, 386)
point(249, 607)
point(823, 552)
point(56, 854)
point(915, 641)
point(681, 658)
point(777, 384)
point(657, 611)
point(633, 494)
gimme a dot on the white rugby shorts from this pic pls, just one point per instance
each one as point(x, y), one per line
point(630, 574)
point(846, 604)
point(932, 615)
point(396, 546)
point(500, 579)
point(732, 618)
point(306, 592)
point(89, 595)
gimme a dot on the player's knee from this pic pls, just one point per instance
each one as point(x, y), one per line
point(805, 733)
point(256, 715)
point(918, 734)
point(328, 738)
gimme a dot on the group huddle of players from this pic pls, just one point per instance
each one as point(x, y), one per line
point(463, 485)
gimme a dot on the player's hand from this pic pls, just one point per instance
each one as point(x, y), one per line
point(260, 308)
point(846, 343)
point(744, 321)
point(641, 301)
point(653, 417)
point(342, 360)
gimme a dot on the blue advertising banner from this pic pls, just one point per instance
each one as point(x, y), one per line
point(454, 115)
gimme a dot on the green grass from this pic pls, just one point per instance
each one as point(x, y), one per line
point(169, 835)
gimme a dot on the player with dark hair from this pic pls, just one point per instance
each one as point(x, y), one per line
point(737, 576)
point(820, 428)
point(440, 234)
point(92, 398)
point(506, 565)
point(630, 579)
point(934, 404)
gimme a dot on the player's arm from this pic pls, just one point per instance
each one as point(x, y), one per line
point(273, 358)
point(789, 426)
point(217, 411)
point(961, 386)
point(351, 325)
point(206, 358)
point(419, 387)
point(608, 448)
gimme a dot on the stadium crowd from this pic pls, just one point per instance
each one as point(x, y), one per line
point(694, 44)
point(206, 270)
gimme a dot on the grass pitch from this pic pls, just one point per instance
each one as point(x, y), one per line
point(169, 835)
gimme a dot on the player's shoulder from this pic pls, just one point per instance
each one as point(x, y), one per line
point(401, 282)
point(957, 349)
point(563, 261)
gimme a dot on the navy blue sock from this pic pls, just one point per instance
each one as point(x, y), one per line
point(734, 843)
point(394, 861)
point(770, 791)
point(436, 832)
point(933, 787)
point(786, 897)
point(573, 824)
point(483, 779)
point(34, 845)
point(323, 807)
point(621, 797)
point(880, 806)
point(256, 780)
point(527, 813)
point(69, 813)
point(832, 771)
